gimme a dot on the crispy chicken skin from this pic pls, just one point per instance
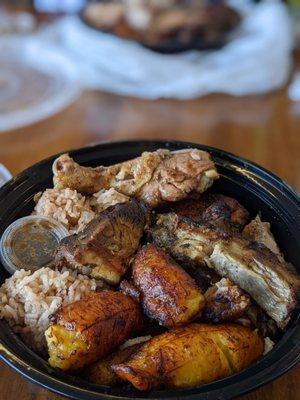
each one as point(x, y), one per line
point(258, 271)
point(108, 242)
point(184, 239)
point(260, 232)
point(190, 231)
point(167, 293)
point(128, 288)
point(153, 177)
point(212, 208)
point(83, 332)
point(193, 226)
point(225, 302)
point(191, 355)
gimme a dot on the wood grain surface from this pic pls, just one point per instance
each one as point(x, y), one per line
point(264, 129)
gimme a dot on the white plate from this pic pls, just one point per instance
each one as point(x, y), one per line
point(37, 80)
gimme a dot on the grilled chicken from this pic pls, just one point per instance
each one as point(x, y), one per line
point(190, 231)
point(153, 177)
point(83, 332)
point(167, 293)
point(189, 243)
point(128, 288)
point(260, 232)
point(256, 318)
point(195, 239)
point(107, 243)
point(216, 209)
point(258, 271)
point(225, 302)
point(191, 355)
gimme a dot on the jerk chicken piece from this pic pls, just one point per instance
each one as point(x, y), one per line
point(217, 209)
point(256, 318)
point(167, 293)
point(191, 230)
point(89, 329)
point(260, 232)
point(225, 302)
point(153, 177)
point(185, 239)
point(258, 271)
point(107, 243)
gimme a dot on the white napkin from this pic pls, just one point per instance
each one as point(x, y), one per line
point(256, 60)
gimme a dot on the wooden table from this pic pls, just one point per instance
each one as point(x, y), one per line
point(264, 129)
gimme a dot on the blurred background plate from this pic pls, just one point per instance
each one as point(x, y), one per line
point(36, 81)
point(221, 20)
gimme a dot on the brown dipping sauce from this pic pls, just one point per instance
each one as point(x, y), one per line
point(30, 243)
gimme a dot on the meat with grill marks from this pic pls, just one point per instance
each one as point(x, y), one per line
point(107, 243)
point(193, 226)
point(217, 245)
point(214, 208)
point(258, 271)
point(260, 232)
point(225, 302)
point(190, 243)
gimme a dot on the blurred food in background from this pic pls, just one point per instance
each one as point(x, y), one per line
point(59, 48)
point(158, 24)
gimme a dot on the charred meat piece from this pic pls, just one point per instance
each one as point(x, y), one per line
point(153, 177)
point(83, 332)
point(216, 209)
point(195, 225)
point(129, 289)
point(184, 239)
point(260, 232)
point(107, 243)
point(190, 356)
point(258, 271)
point(224, 302)
point(255, 317)
point(168, 294)
point(189, 243)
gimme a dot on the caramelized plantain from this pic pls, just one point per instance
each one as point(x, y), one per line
point(90, 328)
point(168, 294)
point(190, 356)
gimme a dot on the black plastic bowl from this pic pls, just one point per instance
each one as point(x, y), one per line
point(254, 187)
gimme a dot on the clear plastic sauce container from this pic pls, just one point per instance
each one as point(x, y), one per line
point(29, 243)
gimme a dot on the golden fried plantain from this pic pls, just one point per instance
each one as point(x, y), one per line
point(90, 328)
point(190, 356)
point(101, 373)
point(168, 293)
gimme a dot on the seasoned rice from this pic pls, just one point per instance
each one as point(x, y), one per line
point(28, 299)
point(106, 198)
point(67, 206)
